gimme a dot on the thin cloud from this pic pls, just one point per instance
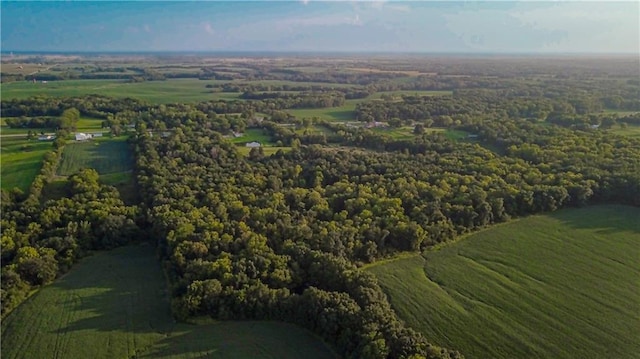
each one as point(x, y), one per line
point(208, 28)
point(401, 8)
point(332, 20)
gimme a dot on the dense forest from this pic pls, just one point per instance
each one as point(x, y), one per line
point(281, 237)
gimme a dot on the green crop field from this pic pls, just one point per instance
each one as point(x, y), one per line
point(564, 285)
point(178, 90)
point(104, 155)
point(115, 305)
point(21, 161)
point(168, 91)
point(85, 124)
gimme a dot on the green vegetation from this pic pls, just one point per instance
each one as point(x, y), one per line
point(266, 151)
point(251, 135)
point(169, 91)
point(21, 161)
point(345, 112)
point(554, 286)
point(381, 94)
point(104, 155)
point(631, 131)
point(259, 237)
point(115, 305)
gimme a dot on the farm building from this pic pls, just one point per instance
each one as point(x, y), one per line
point(95, 134)
point(47, 138)
point(253, 144)
point(82, 136)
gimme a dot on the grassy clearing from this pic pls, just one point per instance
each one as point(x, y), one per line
point(115, 305)
point(314, 130)
point(564, 285)
point(630, 131)
point(251, 135)
point(21, 161)
point(124, 183)
point(104, 155)
point(346, 112)
point(399, 133)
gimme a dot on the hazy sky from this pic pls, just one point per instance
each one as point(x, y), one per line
point(380, 26)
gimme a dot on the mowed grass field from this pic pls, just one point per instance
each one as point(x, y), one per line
point(21, 161)
point(564, 285)
point(105, 155)
point(115, 305)
point(251, 135)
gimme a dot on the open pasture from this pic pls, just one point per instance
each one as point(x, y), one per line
point(253, 135)
point(104, 155)
point(563, 285)
point(346, 112)
point(21, 161)
point(115, 305)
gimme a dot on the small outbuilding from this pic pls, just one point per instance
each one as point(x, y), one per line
point(82, 136)
point(253, 144)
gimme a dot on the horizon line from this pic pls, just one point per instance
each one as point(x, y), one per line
point(315, 52)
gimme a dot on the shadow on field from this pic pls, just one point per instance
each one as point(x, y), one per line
point(120, 290)
point(342, 115)
point(603, 219)
point(246, 339)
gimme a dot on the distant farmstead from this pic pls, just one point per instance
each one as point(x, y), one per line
point(47, 138)
point(253, 144)
point(82, 136)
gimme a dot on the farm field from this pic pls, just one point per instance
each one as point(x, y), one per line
point(21, 161)
point(564, 285)
point(167, 91)
point(85, 124)
point(104, 155)
point(115, 305)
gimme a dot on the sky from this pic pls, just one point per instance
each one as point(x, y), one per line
point(322, 26)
